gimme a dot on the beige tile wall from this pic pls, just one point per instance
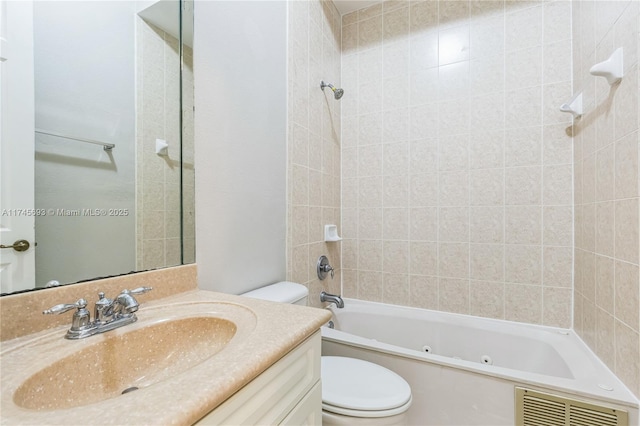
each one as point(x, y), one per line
point(457, 165)
point(607, 290)
point(158, 233)
point(313, 143)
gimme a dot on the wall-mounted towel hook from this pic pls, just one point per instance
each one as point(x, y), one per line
point(574, 106)
point(162, 147)
point(611, 69)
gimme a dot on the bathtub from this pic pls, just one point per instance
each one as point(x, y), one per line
point(463, 370)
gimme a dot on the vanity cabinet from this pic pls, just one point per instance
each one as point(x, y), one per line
point(287, 393)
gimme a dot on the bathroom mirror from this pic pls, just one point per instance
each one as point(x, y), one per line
point(97, 140)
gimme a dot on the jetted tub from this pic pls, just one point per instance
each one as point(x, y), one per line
point(463, 370)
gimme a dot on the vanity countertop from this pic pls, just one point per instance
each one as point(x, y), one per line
point(270, 331)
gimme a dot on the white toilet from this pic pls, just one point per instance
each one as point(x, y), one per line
point(354, 392)
point(283, 292)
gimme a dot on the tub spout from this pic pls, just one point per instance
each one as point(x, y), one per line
point(332, 298)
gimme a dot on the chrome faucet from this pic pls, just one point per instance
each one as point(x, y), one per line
point(109, 313)
point(332, 298)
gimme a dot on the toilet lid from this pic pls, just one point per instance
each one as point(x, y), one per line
point(354, 384)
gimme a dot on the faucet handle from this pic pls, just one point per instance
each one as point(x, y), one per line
point(323, 267)
point(64, 307)
point(139, 290)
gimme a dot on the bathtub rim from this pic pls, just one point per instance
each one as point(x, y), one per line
point(620, 395)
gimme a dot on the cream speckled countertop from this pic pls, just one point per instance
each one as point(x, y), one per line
point(265, 332)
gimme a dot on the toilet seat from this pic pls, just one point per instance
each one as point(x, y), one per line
point(358, 388)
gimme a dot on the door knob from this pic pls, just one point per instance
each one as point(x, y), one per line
point(20, 245)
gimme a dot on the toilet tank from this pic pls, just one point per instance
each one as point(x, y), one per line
point(283, 292)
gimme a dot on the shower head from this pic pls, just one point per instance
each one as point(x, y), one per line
point(337, 93)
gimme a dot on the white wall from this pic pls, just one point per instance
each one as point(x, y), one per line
point(85, 86)
point(240, 138)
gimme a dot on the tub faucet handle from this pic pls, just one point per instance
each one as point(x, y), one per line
point(323, 268)
point(328, 268)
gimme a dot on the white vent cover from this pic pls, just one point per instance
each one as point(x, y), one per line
point(542, 409)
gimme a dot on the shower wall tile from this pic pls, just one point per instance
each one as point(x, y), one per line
point(487, 262)
point(316, 172)
point(523, 264)
point(475, 169)
point(486, 148)
point(627, 306)
point(627, 354)
point(556, 304)
point(453, 224)
point(606, 187)
point(558, 221)
point(523, 303)
point(423, 224)
point(396, 224)
point(423, 16)
point(487, 299)
point(487, 187)
point(453, 295)
point(605, 336)
point(558, 266)
point(396, 289)
point(423, 291)
point(486, 224)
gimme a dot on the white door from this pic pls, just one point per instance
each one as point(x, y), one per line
point(17, 215)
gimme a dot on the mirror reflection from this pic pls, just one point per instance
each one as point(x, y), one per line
point(97, 140)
